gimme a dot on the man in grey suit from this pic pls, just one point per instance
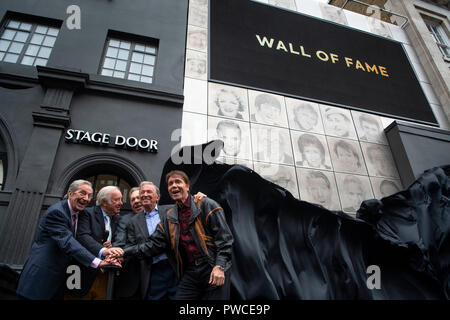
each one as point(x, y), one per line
point(43, 275)
point(127, 280)
point(157, 279)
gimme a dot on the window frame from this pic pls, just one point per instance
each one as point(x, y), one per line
point(35, 23)
point(117, 182)
point(437, 29)
point(133, 40)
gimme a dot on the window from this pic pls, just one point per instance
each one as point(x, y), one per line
point(27, 43)
point(102, 180)
point(129, 60)
point(439, 35)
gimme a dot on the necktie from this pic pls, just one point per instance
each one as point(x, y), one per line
point(108, 227)
point(74, 223)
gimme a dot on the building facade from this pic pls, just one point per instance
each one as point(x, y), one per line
point(104, 91)
point(91, 91)
point(333, 157)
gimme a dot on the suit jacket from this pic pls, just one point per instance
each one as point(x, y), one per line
point(137, 233)
point(125, 284)
point(90, 233)
point(44, 273)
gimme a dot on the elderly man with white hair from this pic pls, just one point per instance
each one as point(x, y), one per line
point(96, 232)
point(56, 247)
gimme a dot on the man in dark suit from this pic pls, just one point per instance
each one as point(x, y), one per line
point(127, 281)
point(55, 246)
point(96, 232)
point(196, 239)
point(157, 279)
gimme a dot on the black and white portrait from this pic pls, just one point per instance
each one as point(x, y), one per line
point(196, 64)
point(338, 122)
point(226, 101)
point(271, 144)
point(234, 134)
point(288, 4)
point(383, 187)
point(353, 190)
point(346, 156)
point(311, 151)
point(369, 127)
point(379, 160)
point(304, 115)
point(198, 15)
point(333, 13)
point(267, 108)
point(283, 176)
point(197, 38)
point(318, 187)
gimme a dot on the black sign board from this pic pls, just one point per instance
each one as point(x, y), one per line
point(258, 46)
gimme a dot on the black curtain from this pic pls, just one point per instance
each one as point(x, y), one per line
point(285, 248)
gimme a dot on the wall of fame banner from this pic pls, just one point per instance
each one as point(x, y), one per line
point(258, 46)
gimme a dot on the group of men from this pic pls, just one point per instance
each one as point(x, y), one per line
point(179, 251)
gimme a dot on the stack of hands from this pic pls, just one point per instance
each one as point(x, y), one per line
point(113, 256)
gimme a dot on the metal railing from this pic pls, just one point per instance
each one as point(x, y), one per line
point(377, 8)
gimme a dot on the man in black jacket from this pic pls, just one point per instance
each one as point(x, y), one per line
point(97, 233)
point(197, 241)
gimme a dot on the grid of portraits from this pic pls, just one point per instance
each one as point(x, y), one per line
point(331, 156)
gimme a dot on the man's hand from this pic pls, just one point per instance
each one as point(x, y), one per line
point(113, 252)
point(198, 197)
point(109, 262)
point(217, 277)
point(107, 244)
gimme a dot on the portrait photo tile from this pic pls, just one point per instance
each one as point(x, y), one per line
point(384, 187)
point(318, 187)
point(198, 15)
point(196, 65)
point(353, 190)
point(281, 175)
point(333, 13)
point(379, 160)
point(338, 122)
point(369, 127)
point(346, 156)
point(197, 38)
point(304, 116)
point(310, 150)
point(227, 101)
point(266, 108)
point(234, 134)
point(271, 144)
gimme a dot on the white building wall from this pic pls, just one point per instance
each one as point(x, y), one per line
point(348, 183)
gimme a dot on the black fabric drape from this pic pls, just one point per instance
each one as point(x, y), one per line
point(290, 249)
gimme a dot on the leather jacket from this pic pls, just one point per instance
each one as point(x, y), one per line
point(208, 228)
